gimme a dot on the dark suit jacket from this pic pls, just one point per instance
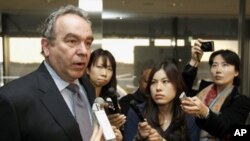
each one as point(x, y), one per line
point(33, 109)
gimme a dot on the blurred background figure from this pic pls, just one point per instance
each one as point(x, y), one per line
point(139, 95)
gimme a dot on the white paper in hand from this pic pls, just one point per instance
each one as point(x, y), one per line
point(103, 121)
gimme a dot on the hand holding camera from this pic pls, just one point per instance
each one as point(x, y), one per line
point(198, 49)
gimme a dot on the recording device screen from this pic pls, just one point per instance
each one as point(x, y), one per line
point(207, 46)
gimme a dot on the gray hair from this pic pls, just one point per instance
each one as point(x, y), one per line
point(48, 27)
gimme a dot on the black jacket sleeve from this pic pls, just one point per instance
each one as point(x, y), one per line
point(189, 74)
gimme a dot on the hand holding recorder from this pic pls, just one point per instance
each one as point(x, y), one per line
point(111, 99)
point(194, 106)
point(102, 119)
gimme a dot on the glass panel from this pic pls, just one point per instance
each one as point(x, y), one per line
point(1, 61)
point(123, 51)
point(25, 56)
point(168, 42)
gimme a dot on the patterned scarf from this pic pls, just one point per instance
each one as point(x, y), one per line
point(214, 101)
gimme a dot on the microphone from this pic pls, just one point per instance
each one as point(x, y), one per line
point(133, 105)
point(102, 119)
point(99, 104)
point(111, 99)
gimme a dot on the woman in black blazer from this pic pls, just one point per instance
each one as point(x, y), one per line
point(216, 105)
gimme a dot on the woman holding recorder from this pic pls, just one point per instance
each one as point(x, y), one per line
point(101, 71)
point(216, 105)
point(164, 119)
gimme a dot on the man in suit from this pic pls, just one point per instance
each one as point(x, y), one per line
point(38, 106)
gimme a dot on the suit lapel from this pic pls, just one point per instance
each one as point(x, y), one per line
point(57, 107)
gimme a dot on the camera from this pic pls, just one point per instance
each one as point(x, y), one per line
point(207, 46)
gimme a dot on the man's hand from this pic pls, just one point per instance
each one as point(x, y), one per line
point(97, 134)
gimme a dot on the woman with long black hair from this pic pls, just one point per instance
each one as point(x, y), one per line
point(164, 118)
point(101, 71)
